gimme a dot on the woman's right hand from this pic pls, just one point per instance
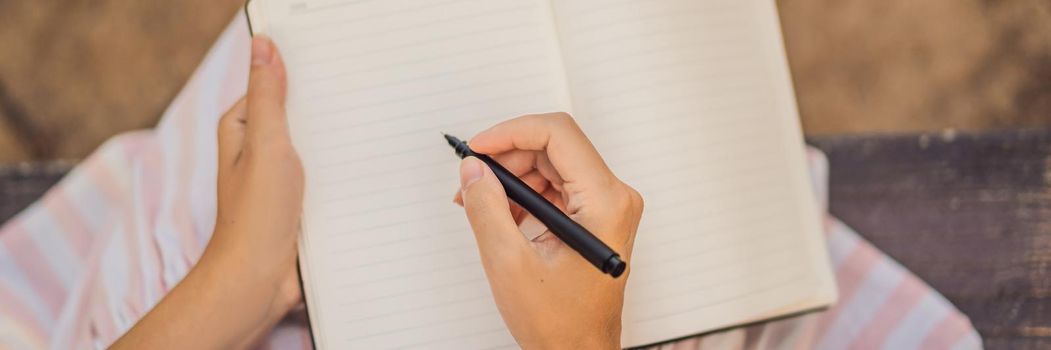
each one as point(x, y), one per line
point(548, 295)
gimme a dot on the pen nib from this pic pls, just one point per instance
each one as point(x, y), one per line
point(453, 141)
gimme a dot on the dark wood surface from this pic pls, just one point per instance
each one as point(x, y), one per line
point(23, 183)
point(968, 213)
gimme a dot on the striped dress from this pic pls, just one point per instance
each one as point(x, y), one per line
point(83, 264)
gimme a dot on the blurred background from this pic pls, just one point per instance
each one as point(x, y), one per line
point(74, 72)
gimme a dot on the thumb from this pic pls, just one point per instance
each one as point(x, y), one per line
point(266, 92)
point(487, 209)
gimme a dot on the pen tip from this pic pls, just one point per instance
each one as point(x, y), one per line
point(452, 140)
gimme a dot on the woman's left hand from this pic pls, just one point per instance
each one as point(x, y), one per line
point(260, 184)
point(245, 281)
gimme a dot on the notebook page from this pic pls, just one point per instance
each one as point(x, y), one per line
point(690, 102)
point(389, 259)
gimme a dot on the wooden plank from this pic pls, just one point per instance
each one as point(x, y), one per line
point(968, 213)
point(21, 184)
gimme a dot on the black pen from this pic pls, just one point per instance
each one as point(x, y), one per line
point(570, 232)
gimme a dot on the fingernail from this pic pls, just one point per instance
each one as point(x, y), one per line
point(470, 171)
point(262, 51)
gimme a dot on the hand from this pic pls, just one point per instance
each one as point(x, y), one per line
point(548, 295)
point(245, 281)
point(260, 185)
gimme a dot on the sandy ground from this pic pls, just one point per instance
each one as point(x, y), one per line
point(74, 72)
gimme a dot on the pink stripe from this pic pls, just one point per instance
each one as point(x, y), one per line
point(908, 293)
point(849, 275)
point(29, 258)
point(134, 297)
point(79, 335)
point(807, 340)
point(952, 328)
point(808, 332)
point(20, 312)
point(102, 312)
point(99, 173)
point(783, 333)
point(74, 226)
point(182, 218)
point(152, 183)
point(134, 302)
point(103, 320)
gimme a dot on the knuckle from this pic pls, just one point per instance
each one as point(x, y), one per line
point(637, 201)
point(562, 119)
point(629, 200)
point(226, 123)
point(230, 117)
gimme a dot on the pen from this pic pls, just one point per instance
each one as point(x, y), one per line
point(575, 236)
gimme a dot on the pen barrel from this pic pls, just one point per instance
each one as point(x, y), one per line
point(573, 234)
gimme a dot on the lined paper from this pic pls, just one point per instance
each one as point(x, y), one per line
point(689, 102)
point(391, 262)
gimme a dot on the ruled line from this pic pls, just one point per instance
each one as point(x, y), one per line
point(431, 41)
point(398, 330)
point(419, 219)
point(780, 283)
point(402, 311)
point(447, 89)
point(383, 172)
point(344, 251)
point(400, 64)
point(385, 31)
point(404, 275)
point(405, 292)
point(414, 4)
point(400, 186)
point(433, 252)
point(516, 95)
point(425, 77)
point(460, 336)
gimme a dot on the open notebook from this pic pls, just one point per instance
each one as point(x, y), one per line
point(689, 101)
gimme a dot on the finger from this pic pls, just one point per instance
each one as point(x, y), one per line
point(544, 166)
point(487, 209)
point(556, 198)
point(266, 92)
point(535, 181)
point(518, 162)
point(570, 152)
point(231, 132)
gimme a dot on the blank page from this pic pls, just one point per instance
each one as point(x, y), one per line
point(691, 103)
point(389, 259)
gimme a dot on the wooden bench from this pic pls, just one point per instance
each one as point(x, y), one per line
point(968, 213)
